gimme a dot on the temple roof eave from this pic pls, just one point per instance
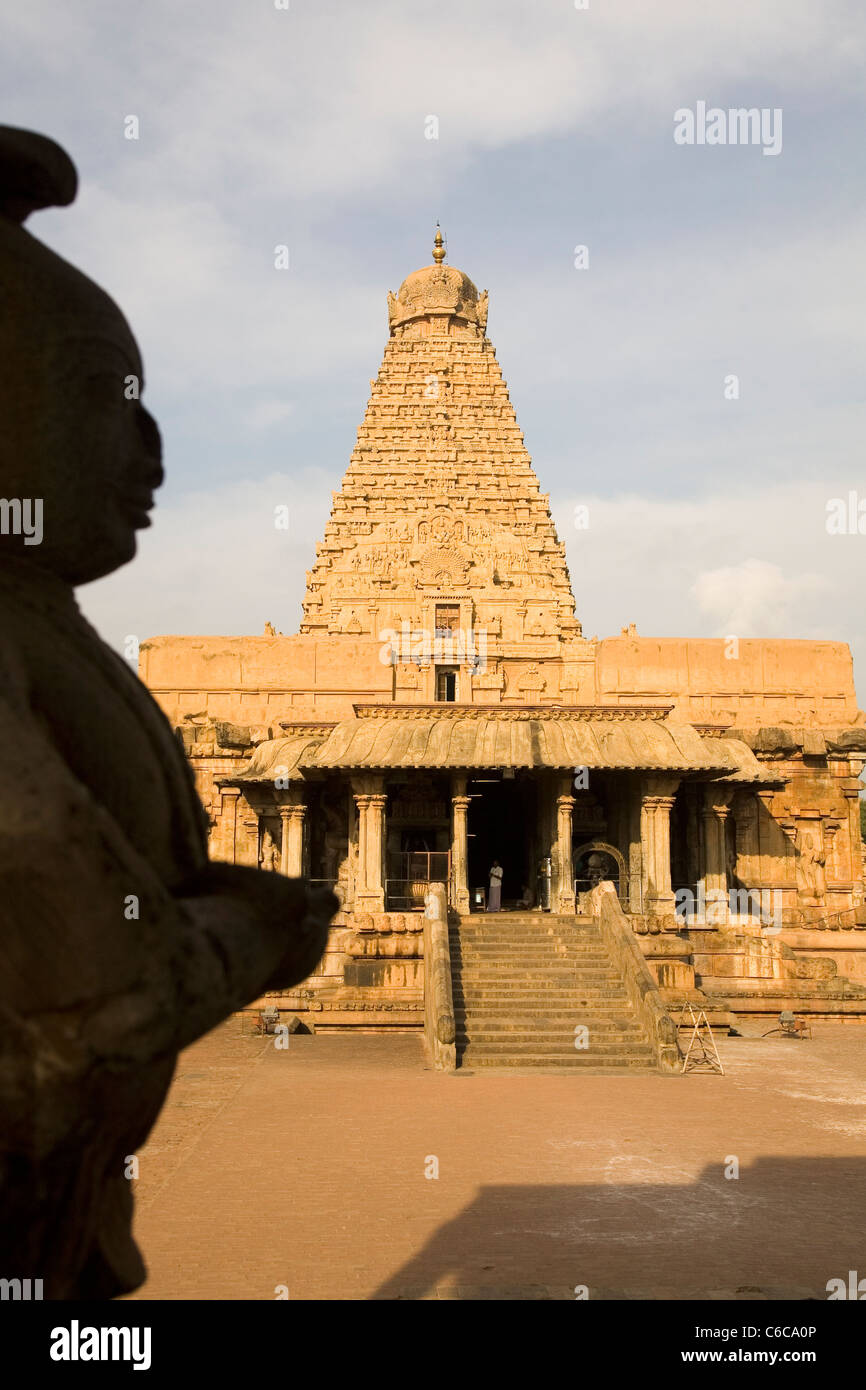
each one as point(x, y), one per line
point(275, 758)
point(744, 769)
point(480, 738)
point(486, 740)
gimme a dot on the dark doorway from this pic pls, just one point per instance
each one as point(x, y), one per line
point(446, 684)
point(682, 847)
point(501, 826)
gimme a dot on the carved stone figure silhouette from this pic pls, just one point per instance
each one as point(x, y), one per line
point(119, 942)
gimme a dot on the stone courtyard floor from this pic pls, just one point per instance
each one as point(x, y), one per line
point(304, 1171)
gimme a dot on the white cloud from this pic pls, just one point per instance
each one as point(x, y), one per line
point(747, 561)
point(331, 98)
point(264, 414)
point(215, 562)
point(755, 597)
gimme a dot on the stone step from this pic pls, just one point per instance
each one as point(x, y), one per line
point(576, 1061)
point(559, 961)
point(559, 1015)
point(523, 982)
point(563, 1023)
point(578, 1010)
point(539, 929)
point(502, 927)
point(554, 962)
point(598, 1015)
point(485, 956)
point(534, 965)
point(513, 923)
point(477, 955)
point(576, 951)
point(528, 1012)
point(551, 962)
point(538, 992)
point(516, 990)
point(543, 1039)
point(547, 943)
point(533, 914)
point(551, 965)
point(539, 943)
point(569, 978)
point(554, 1047)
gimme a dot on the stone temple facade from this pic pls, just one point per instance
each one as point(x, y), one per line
point(440, 709)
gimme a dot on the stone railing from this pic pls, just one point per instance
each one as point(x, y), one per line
point(439, 1030)
point(638, 979)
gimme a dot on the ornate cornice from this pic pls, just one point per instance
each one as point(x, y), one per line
point(311, 727)
point(512, 712)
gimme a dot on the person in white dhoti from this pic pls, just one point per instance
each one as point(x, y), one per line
point(494, 894)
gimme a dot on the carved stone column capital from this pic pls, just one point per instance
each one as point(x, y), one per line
point(718, 798)
point(660, 784)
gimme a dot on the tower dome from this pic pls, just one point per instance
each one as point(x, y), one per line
point(440, 292)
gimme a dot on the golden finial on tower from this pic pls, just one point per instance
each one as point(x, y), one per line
point(438, 247)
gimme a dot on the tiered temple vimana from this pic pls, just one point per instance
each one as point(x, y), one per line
point(676, 819)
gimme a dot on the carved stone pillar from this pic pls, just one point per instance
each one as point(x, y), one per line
point(832, 826)
point(715, 869)
point(852, 798)
point(745, 811)
point(376, 847)
point(775, 841)
point(228, 844)
point(565, 873)
point(292, 855)
point(460, 844)
point(362, 801)
point(658, 802)
point(370, 888)
point(635, 849)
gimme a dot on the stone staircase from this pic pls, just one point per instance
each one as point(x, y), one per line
point(523, 981)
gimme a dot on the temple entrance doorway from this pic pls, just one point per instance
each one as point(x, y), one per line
point(501, 826)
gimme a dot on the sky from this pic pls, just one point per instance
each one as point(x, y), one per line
point(306, 124)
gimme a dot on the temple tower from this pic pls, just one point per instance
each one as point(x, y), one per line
point(440, 526)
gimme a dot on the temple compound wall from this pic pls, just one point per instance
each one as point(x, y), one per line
point(440, 709)
point(766, 837)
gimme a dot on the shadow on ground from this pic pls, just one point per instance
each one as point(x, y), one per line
point(780, 1230)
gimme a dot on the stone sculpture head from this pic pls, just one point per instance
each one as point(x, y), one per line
point(596, 868)
point(75, 436)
